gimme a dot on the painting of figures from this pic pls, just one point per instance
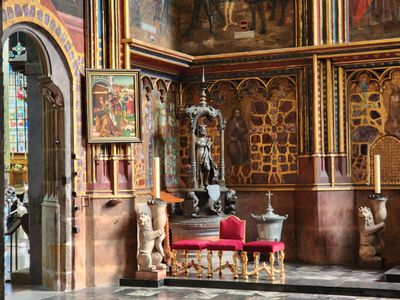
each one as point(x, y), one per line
point(153, 21)
point(374, 19)
point(113, 106)
point(215, 26)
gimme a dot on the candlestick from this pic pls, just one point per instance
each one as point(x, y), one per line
point(377, 173)
point(156, 177)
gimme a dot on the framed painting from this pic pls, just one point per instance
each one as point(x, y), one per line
point(113, 103)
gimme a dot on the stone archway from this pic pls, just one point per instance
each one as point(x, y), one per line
point(50, 168)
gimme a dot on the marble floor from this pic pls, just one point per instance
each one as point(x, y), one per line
point(303, 281)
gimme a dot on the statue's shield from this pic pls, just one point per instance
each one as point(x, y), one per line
point(214, 191)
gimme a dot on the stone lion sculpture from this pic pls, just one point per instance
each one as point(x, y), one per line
point(371, 242)
point(149, 259)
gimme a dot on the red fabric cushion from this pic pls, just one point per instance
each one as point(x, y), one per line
point(228, 245)
point(190, 245)
point(232, 228)
point(264, 246)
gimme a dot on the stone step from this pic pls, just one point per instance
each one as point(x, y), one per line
point(393, 275)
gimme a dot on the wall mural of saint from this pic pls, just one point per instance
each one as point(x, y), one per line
point(237, 138)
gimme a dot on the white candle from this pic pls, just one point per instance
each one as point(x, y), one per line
point(156, 177)
point(377, 173)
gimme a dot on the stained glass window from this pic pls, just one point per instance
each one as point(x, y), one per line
point(18, 112)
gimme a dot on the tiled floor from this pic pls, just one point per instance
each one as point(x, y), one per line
point(320, 282)
point(166, 292)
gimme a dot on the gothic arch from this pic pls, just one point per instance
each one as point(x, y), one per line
point(62, 64)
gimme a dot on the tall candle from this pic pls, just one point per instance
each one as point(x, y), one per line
point(156, 177)
point(377, 173)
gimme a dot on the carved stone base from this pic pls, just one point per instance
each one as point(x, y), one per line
point(148, 275)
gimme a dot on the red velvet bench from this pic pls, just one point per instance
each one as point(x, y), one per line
point(186, 246)
point(257, 247)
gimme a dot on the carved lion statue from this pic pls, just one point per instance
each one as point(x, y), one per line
point(149, 259)
point(371, 242)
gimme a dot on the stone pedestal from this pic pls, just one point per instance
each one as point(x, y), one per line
point(156, 275)
point(51, 244)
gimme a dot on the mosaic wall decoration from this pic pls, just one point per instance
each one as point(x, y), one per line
point(374, 109)
point(374, 19)
point(261, 130)
point(366, 122)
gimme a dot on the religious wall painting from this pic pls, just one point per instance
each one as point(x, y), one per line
point(212, 26)
point(153, 21)
point(113, 106)
point(73, 7)
point(391, 100)
point(260, 132)
point(172, 138)
point(373, 19)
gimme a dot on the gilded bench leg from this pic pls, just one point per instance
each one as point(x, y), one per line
point(220, 262)
point(244, 265)
point(174, 264)
point(235, 265)
point(282, 258)
point(185, 263)
point(271, 263)
point(209, 269)
point(198, 269)
point(256, 257)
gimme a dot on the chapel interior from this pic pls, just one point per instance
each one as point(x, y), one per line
point(245, 120)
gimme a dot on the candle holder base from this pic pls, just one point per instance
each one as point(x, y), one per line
point(378, 197)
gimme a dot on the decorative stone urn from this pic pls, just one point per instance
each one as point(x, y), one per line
point(269, 225)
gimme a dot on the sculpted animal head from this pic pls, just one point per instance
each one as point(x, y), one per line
point(144, 221)
point(366, 214)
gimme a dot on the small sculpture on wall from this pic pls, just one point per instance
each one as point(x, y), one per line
point(149, 257)
point(371, 239)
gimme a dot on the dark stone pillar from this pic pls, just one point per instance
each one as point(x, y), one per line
point(35, 175)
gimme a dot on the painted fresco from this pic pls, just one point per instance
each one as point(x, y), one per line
point(261, 129)
point(72, 7)
point(70, 14)
point(212, 26)
point(160, 123)
point(374, 19)
point(374, 107)
point(153, 21)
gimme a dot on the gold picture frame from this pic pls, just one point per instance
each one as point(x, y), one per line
point(113, 106)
